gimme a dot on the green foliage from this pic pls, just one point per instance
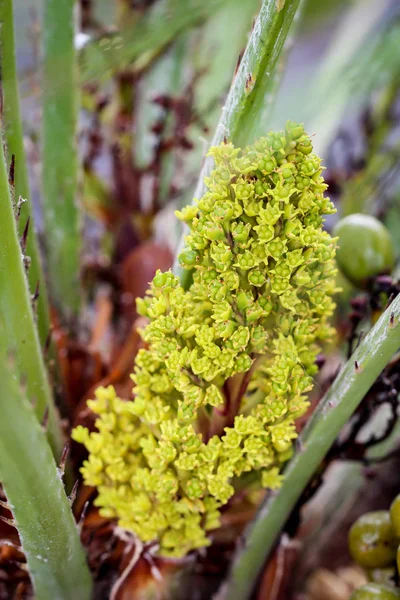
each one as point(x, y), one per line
point(36, 497)
point(18, 331)
point(368, 58)
point(136, 46)
point(13, 137)
point(60, 156)
point(263, 277)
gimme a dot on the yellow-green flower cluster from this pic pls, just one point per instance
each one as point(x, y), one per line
point(229, 361)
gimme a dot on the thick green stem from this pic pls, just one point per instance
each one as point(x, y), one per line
point(59, 155)
point(37, 499)
point(18, 327)
point(13, 135)
point(215, 54)
point(256, 74)
point(250, 88)
point(333, 411)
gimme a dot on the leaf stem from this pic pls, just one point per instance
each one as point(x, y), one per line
point(36, 496)
point(13, 136)
point(18, 327)
point(59, 156)
point(249, 89)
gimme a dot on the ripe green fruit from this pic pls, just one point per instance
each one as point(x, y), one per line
point(372, 541)
point(365, 248)
point(375, 591)
point(395, 515)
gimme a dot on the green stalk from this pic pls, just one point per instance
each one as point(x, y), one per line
point(213, 58)
point(256, 75)
point(37, 499)
point(215, 54)
point(17, 321)
point(252, 84)
point(59, 155)
point(333, 412)
point(13, 135)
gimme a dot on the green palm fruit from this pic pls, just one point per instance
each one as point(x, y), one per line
point(398, 559)
point(372, 541)
point(395, 515)
point(365, 248)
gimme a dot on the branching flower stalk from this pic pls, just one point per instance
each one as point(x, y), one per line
point(229, 361)
point(13, 136)
point(36, 498)
point(333, 412)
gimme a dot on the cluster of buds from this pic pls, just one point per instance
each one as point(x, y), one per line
point(228, 362)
